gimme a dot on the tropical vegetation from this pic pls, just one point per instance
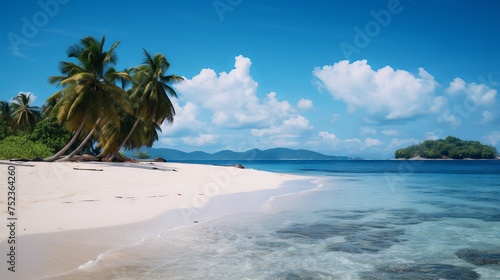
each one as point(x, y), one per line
point(448, 148)
point(97, 109)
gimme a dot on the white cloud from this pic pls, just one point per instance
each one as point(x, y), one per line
point(32, 97)
point(185, 121)
point(449, 118)
point(200, 140)
point(353, 144)
point(328, 138)
point(456, 86)
point(488, 117)
point(368, 130)
point(292, 126)
point(479, 94)
point(390, 132)
point(493, 138)
point(369, 142)
point(305, 104)
point(231, 96)
point(386, 93)
point(399, 143)
point(230, 99)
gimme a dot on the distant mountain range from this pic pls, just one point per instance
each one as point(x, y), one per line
point(254, 154)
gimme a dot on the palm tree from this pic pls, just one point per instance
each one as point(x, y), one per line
point(89, 96)
point(24, 116)
point(5, 111)
point(150, 91)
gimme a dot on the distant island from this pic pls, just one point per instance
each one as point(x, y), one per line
point(253, 154)
point(448, 148)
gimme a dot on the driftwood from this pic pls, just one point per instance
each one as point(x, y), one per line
point(88, 169)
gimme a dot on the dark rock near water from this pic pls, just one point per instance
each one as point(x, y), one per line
point(359, 238)
point(421, 272)
point(480, 257)
point(318, 231)
point(270, 245)
point(240, 166)
point(368, 242)
point(159, 159)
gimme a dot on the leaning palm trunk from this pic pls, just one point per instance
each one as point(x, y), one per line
point(65, 148)
point(124, 140)
point(84, 142)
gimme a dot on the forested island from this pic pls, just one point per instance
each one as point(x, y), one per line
point(448, 148)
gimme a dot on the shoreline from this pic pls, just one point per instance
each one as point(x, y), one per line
point(123, 208)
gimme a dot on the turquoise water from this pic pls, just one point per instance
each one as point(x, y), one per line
point(359, 220)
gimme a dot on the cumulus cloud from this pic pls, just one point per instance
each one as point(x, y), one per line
point(386, 93)
point(228, 95)
point(479, 94)
point(305, 104)
point(292, 125)
point(185, 121)
point(328, 137)
point(230, 100)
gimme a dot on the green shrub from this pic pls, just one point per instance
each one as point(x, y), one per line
point(141, 155)
point(20, 147)
point(50, 133)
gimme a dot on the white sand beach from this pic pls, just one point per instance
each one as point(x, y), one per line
point(68, 213)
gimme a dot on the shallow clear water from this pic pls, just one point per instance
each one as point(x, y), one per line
point(367, 220)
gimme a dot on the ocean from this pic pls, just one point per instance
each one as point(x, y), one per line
point(357, 220)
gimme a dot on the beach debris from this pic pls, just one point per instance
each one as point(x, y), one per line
point(17, 164)
point(240, 166)
point(88, 169)
point(84, 158)
point(20, 159)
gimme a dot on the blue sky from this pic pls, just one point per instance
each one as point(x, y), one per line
point(357, 78)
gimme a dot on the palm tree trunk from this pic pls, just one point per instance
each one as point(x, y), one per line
point(65, 148)
point(84, 142)
point(125, 140)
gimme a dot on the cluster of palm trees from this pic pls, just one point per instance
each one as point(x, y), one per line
point(19, 114)
point(113, 109)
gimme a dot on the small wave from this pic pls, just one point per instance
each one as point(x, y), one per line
point(91, 263)
point(318, 185)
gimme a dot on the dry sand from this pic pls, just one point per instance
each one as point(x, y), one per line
point(68, 213)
